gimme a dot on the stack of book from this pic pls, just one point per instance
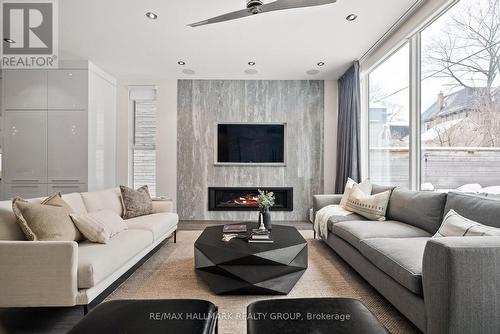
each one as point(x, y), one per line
point(260, 237)
point(234, 228)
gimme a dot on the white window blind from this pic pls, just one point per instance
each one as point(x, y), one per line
point(144, 146)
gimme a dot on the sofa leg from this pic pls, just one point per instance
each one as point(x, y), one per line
point(85, 309)
point(175, 236)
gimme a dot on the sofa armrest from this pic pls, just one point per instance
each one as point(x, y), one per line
point(461, 284)
point(163, 206)
point(38, 273)
point(320, 201)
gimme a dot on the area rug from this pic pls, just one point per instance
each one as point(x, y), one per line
point(170, 273)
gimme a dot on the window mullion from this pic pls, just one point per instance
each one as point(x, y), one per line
point(415, 111)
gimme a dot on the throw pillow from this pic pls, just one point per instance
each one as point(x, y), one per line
point(372, 207)
point(46, 221)
point(365, 186)
point(99, 226)
point(455, 225)
point(136, 202)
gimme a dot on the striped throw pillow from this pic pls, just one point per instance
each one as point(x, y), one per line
point(455, 225)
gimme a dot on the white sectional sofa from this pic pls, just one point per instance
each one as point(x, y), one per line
point(44, 273)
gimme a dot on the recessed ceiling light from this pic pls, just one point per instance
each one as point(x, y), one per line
point(151, 15)
point(312, 72)
point(182, 63)
point(251, 71)
point(251, 63)
point(187, 71)
point(351, 17)
point(8, 40)
point(321, 63)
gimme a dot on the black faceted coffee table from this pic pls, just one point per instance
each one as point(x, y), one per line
point(240, 268)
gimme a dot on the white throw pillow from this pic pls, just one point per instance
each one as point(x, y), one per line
point(99, 226)
point(455, 225)
point(372, 207)
point(364, 186)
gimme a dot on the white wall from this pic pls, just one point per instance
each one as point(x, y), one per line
point(166, 138)
point(330, 133)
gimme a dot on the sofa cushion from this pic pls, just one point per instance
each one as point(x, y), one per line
point(377, 189)
point(372, 207)
point(9, 229)
point(46, 221)
point(98, 261)
point(99, 226)
point(136, 203)
point(355, 231)
point(476, 208)
point(75, 202)
point(400, 258)
point(338, 219)
point(418, 208)
point(158, 224)
point(454, 225)
point(109, 199)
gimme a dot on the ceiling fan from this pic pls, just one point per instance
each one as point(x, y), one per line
point(258, 7)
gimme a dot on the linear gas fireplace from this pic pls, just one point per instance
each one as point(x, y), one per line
point(245, 198)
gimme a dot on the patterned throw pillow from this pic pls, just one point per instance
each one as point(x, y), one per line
point(46, 221)
point(136, 202)
point(365, 186)
point(455, 225)
point(372, 207)
point(99, 226)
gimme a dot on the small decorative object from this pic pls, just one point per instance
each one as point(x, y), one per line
point(265, 201)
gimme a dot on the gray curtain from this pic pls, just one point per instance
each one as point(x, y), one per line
point(348, 132)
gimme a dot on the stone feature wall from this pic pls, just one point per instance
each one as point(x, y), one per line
point(204, 103)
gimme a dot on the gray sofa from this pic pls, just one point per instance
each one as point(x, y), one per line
point(442, 285)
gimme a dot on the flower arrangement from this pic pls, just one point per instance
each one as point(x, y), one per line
point(265, 200)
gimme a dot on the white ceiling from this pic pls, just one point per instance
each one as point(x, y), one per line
point(117, 36)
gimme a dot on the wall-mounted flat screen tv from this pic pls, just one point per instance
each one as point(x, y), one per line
point(251, 143)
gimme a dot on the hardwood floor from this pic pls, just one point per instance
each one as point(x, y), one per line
point(61, 319)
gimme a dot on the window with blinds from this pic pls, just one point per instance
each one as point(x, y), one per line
point(144, 146)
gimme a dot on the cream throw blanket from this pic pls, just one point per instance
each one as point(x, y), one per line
point(322, 217)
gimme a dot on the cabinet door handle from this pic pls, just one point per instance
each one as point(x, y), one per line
point(66, 187)
point(26, 181)
point(24, 187)
point(64, 181)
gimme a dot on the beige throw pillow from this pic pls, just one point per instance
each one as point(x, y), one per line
point(99, 226)
point(365, 186)
point(455, 225)
point(136, 202)
point(372, 207)
point(46, 221)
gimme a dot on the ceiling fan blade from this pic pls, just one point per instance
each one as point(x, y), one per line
point(273, 6)
point(226, 17)
point(289, 4)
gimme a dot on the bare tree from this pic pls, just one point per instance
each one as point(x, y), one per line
point(467, 54)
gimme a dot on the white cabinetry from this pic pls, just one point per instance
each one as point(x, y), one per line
point(25, 147)
point(67, 90)
point(58, 131)
point(67, 146)
point(25, 90)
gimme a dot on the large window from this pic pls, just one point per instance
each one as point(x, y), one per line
point(144, 146)
point(457, 139)
point(389, 124)
point(460, 116)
